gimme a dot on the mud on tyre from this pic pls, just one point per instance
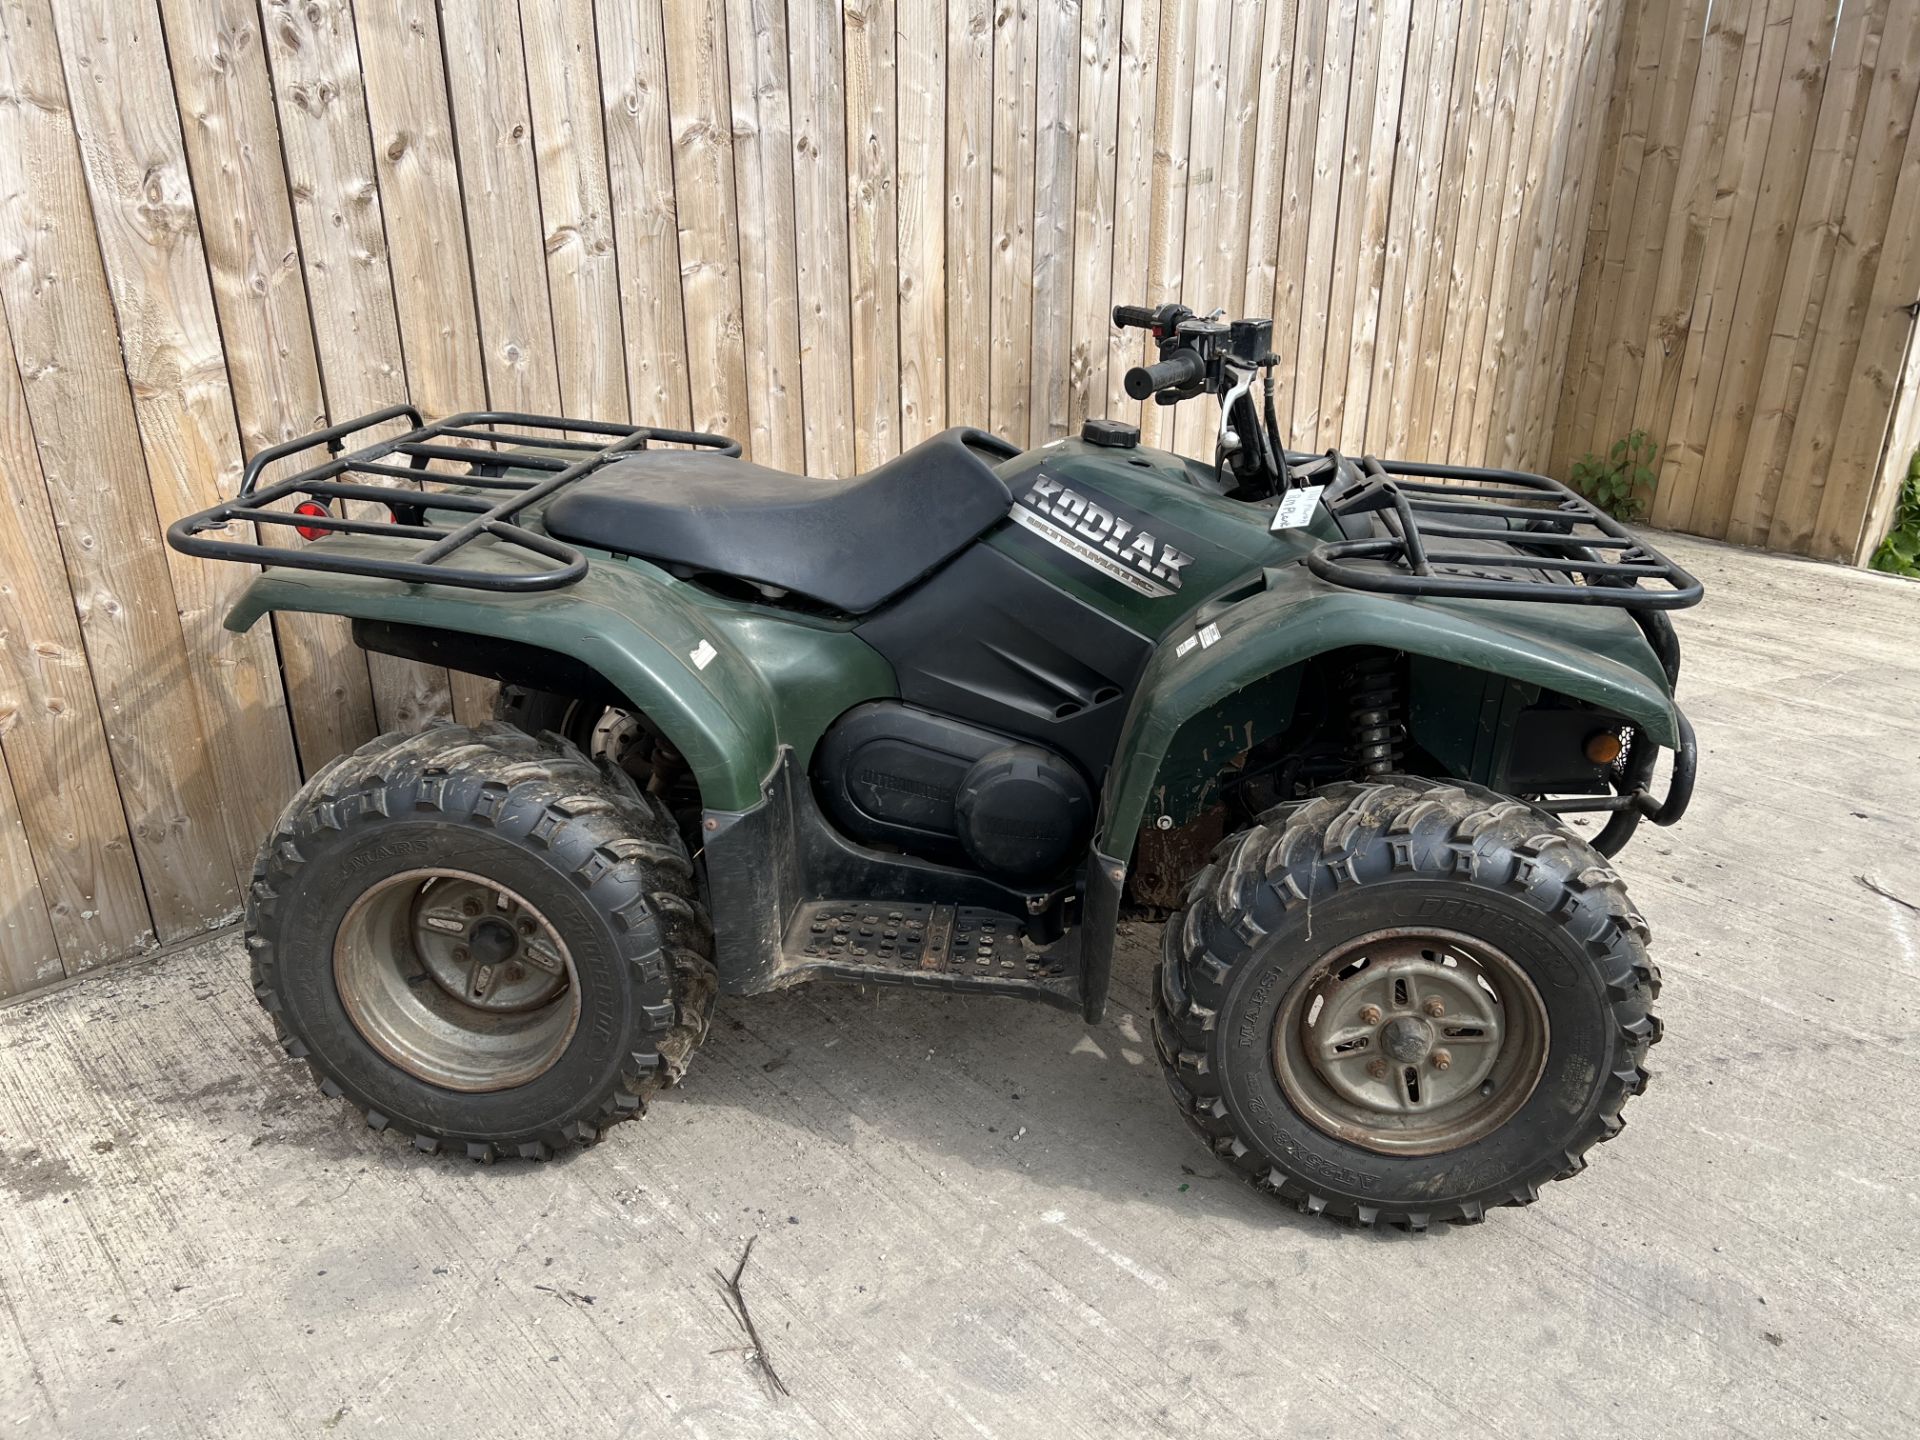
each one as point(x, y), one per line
point(482, 939)
point(1405, 1001)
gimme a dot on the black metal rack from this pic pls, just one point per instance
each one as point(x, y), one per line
point(1414, 528)
point(489, 444)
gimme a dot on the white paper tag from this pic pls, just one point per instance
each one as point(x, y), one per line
point(1180, 650)
point(702, 654)
point(1297, 507)
point(1209, 637)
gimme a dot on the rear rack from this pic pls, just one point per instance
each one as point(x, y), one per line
point(479, 440)
point(1550, 544)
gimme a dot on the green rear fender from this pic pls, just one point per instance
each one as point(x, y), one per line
point(727, 684)
point(1594, 654)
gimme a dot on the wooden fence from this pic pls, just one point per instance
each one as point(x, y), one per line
point(1751, 264)
point(829, 227)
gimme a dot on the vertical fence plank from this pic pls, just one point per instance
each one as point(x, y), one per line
point(1793, 321)
point(1886, 336)
point(1463, 183)
point(50, 723)
point(1310, 48)
point(820, 233)
point(418, 171)
point(1604, 246)
point(763, 186)
point(1719, 284)
point(921, 54)
point(136, 171)
point(1657, 201)
point(873, 231)
point(1348, 414)
point(570, 154)
point(1009, 351)
point(413, 158)
point(1847, 307)
point(1414, 237)
point(1543, 387)
point(62, 325)
point(1272, 140)
point(315, 61)
point(1056, 106)
point(1323, 182)
point(1172, 120)
point(1090, 320)
point(493, 128)
point(1133, 170)
point(245, 216)
point(1190, 427)
point(1515, 350)
point(969, 208)
point(697, 87)
point(1791, 133)
point(639, 146)
point(29, 954)
point(1527, 38)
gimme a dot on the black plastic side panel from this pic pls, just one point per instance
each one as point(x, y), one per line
point(1099, 928)
point(891, 772)
point(511, 662)
point(988, 641)
point(762, 862)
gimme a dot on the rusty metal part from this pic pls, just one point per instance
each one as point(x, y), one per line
point(456, 979)
point(1165, 859)
point(1360, 1051)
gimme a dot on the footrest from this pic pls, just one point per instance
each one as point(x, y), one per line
point(943, 947)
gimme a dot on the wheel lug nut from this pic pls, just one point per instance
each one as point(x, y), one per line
point(1441, 1060)
point(1436, 1009)
point(1377, 1069)
point(527, 927)
point(469, 906)
point(1369, 1014)
point(460, 954)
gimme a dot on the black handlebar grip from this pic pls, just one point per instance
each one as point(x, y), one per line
point(1184, 368)
point(1138, 317)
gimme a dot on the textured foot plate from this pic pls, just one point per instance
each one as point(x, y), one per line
point(940, 946)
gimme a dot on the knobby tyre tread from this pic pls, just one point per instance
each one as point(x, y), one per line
point(619, 847)
point(1350, 835)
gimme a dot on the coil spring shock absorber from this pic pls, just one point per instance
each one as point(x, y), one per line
point(1375, 712)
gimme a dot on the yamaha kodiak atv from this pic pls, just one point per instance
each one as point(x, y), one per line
point(920, 726)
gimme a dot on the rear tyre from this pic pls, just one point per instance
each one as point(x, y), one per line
point(482, 939)
point(1405, 1001)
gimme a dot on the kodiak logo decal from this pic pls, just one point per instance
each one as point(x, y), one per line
point(1095, 535)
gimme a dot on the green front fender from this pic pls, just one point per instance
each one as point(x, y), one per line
point(1592, 653)
point(726, 684)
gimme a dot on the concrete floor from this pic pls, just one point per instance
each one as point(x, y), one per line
point(977, 1217)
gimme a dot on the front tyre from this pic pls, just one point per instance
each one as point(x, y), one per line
point(1405, 1001)
point(482, 939)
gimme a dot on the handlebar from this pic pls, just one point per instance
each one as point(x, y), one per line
point(1138, 317)
point(1183, 368)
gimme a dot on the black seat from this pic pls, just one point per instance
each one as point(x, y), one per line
point(850, 544)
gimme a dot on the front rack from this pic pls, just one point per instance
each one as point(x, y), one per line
point(1536, 539)
point(490, 444)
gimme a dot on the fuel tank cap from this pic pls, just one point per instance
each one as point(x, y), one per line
point(1115, 434)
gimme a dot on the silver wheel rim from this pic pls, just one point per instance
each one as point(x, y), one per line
point(1411, 1042)
point(457, 980)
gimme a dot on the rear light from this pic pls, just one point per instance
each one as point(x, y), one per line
point(311, 507)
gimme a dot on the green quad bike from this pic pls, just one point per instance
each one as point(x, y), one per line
point(934, 725)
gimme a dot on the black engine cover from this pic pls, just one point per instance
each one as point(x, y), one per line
point(937, 787)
